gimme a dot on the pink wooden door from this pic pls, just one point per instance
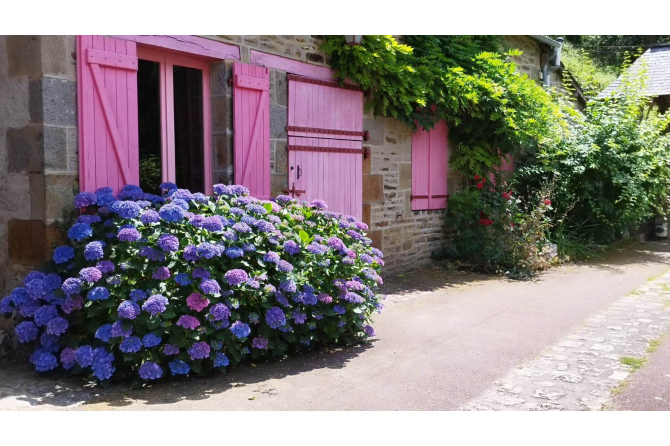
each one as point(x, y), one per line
point(251, 124)
point(107, 96)
point(325, 128)
point(430, 164)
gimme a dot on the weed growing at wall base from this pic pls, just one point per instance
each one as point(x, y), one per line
point(183, 284)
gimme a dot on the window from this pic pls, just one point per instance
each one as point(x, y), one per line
point(430, 162)
point(173, 114)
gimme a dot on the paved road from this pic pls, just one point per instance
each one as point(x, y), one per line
point(441, 342)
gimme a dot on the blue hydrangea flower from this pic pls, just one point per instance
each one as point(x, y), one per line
point(275, 317)
point(84, 199)
point(149, 216)
point(85, 356)
point(57, 326)
point(219, 312)
point(167, 186)
point(131, 344)
point(104, 332)
point(242, 228)
point(98, 293)
point(181, 203)
point(183, 279)
point(221, 360)
point(93, 251)
point(91, 274)
point(68, 358)
point(43, 360)
point(161, 273)
point(103, 364)
point(128, 310)
point(151, 340)
point(131, 192)
point(151, 254)
point(221, 189)
point(119, 332)
point(88, 219)
point(234, 252)
point(105, 266)
point(50, 342)
point(213, 223)
point(240, 329)
point(249, 247)
point(201, 273)
point(265, 226)
point(126, 209)
point(138, 295)
point(190, 253)
point(171, 212)
point(44, 314)
point(6, 306)
point(26, 331)
point(339, 309)
point(104, 196)
point(284, 266)
point(179, 367)
point(63, 254)
point(208, 250)
point(150, 370)
point(288, 285)
point(80, 231)
point(171, 350)
point(210, 286)
point(199, 350)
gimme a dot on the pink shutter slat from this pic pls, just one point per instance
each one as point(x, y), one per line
point(251, 126)
point(107, 112)
point(420, 170)
point(439, 165)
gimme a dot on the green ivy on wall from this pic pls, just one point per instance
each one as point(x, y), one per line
point(491, 108)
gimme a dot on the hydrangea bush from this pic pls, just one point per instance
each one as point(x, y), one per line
point(186, 284)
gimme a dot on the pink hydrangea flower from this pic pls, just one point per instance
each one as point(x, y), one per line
point(197, 302)
point(188, 322)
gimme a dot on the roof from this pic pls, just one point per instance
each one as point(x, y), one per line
point(546, 40)
point(657, 60)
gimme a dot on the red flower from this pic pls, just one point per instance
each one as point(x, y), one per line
point(485, 222)
point(477, 177)
point(480, 185)
point(512, 224)
point(507, 195)
point(483, 180)
point(547, 202)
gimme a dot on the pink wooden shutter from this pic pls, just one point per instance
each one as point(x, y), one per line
point(107, 89)
point(430, 162)
point(251, 125)
point(325, 132)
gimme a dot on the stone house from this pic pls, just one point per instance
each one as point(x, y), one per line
point(81, 112)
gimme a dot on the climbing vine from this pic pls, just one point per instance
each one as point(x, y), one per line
point(491, 108)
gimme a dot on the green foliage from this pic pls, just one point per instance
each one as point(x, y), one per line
point(592, 76)
point(491, 108)
point(150, 173)
point(492, 230)
point(612, 167)
point(612, 51)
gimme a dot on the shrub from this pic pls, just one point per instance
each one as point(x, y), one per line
point(154, 286)
point(492, 230)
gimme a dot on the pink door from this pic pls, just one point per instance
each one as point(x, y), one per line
point(325, 152)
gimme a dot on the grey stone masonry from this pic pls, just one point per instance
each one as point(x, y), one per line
point(581, 371)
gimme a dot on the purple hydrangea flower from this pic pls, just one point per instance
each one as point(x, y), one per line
point(161, 273)
point(318, 204)
point(275, 317)
point(242, 228)
point(199, 350)
point(271, 257)
point(240, 329)
point(284, 266)
point(151, 254)
point(84, 199)
point(63, 254)
point(128, 235)
point(71, 304)
point(149, 216)
point(210, 286)
point(208, 250)
point(119, 332)
point(131, 344)
point(213, 223)
point(93, 251)
point(126, 209)
point(299, 317)
point(288, 286)
point(179, 367)
point(339, 309)
point(260, 343)
point(71, 285)
point(80, 231)
point(98, 293)
point(236, 277)
point(369, 330)
point(190, 253)
point(219, 312)
point(336, 243)
point(156, 304)
point(291, 247)
point(50, 342)
point(68, 357)
point(128, 310)
point(150, 370)
point(171, 350)
point(88, 219)
point(188, 322)
point(168, 242)
point(105, 266)
point(90, 274)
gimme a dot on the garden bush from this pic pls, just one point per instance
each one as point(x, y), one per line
point(184, 284)
point(490, 229)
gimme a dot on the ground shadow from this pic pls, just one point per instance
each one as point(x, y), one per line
point(630, 252)
point(19, 382)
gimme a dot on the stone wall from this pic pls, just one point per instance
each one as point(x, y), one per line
point(38, 149)
point(530, 62)
point(302, 48)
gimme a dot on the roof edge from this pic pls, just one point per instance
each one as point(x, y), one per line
point(546, 40)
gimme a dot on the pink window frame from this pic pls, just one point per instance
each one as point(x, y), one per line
point(167, 60)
